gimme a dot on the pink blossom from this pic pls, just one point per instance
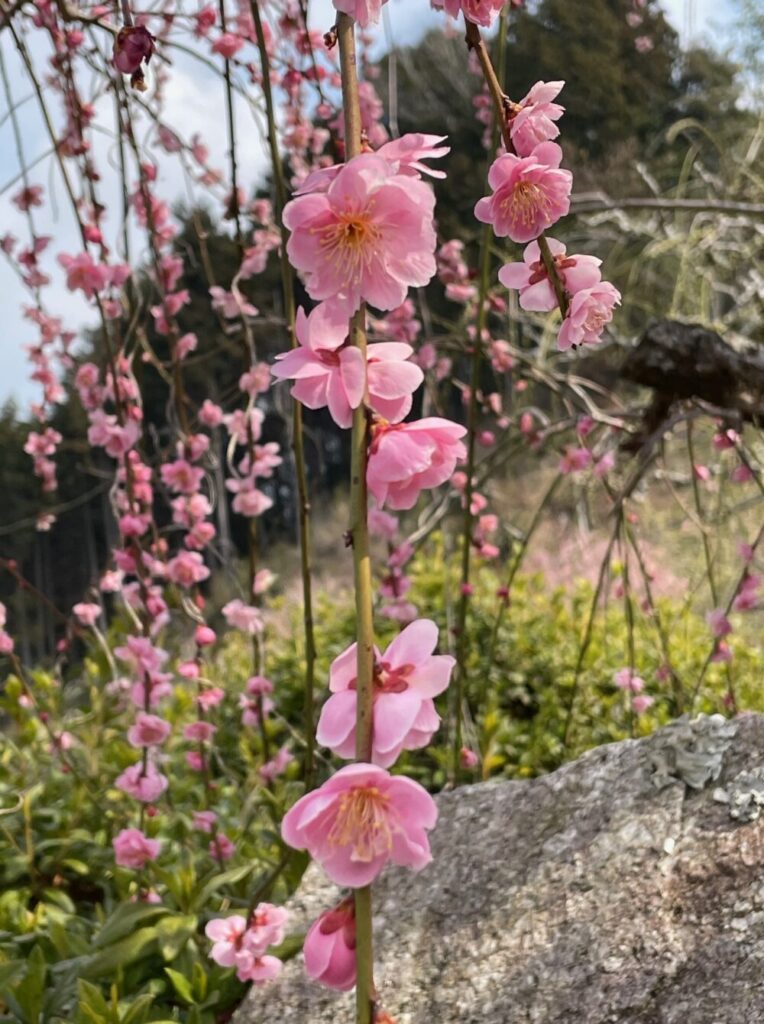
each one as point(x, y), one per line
point(266, 927)
point(211, 415)
point(87, 613)
point(383, 524)
point(227, 45)
point(259, 685)
point(263, 581)
point(276, 766)
point(468, 758)
point(365, 12)
point(133, 850)
point(133, 45)
point(411, 149)
point(227, 934)
point(724, 439)
point(251, 710)
point(141, 654)
point(744, 550)
point(144, 785)
point(399, 611)
point(625, 679)
point(256, 380)
point(589, 311)
point(532, 120)
point(237, 944)
point(244, 617)
point(359, 820)
point(148, 730)
point(719, 623)
point(210, 698)
point(641, 703)
point(368, 238)
point(329, 948)
point(105, 432)
point(741, 474)
point(643, 44)
point(83, 273)
point(230, 305)
point(205, 19)
point(199, 731)
point(260, 969)
point(532, 279)
point(722, 653)
point(29, 196)
point(575, 459)
point(181, 477)
point(747, 596)
point(249, 500)
point(204, 821)
point(186, 569)
point(481, 12)
point(204, 636)
point(529, 193)
point(406, 458)
point(604, 465)
point(221, 848)
point(330, 372)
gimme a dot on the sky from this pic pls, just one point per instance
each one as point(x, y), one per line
point(194, 103)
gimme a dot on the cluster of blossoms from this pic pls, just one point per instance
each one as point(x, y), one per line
point(243, 942)
point(362, 233)
point(530, 193)
point(50, 354)
point(628, 681)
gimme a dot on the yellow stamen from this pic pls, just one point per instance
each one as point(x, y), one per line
point(524, 203)
point(351, 243)
point(363, 822)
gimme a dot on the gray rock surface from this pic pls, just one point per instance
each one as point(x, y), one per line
point(611, 892)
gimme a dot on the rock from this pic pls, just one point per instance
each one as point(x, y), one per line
point(590, 896)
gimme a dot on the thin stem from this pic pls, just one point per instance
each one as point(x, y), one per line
point(589, 627)
point(515, 567)
point(500, 99)
point(472, 420)
point(707, 553)
point(234, 205)
point(503, 110)
point(474, 41)
point(298, 437)
point(359, 535)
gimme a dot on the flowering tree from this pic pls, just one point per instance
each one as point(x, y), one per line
point(144, 662)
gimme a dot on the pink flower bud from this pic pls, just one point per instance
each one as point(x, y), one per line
point(329, 948)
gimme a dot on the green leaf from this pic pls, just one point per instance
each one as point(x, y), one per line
point(125, 920)
point(229, 877)
point(199, 976)
point(174, 932)
point(106, 962)
point(10, 972)
point(30, 992)
point(137, 1011)
point(181, 984)
point(91, 1004)
point(79, 867)
point(290, 947)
